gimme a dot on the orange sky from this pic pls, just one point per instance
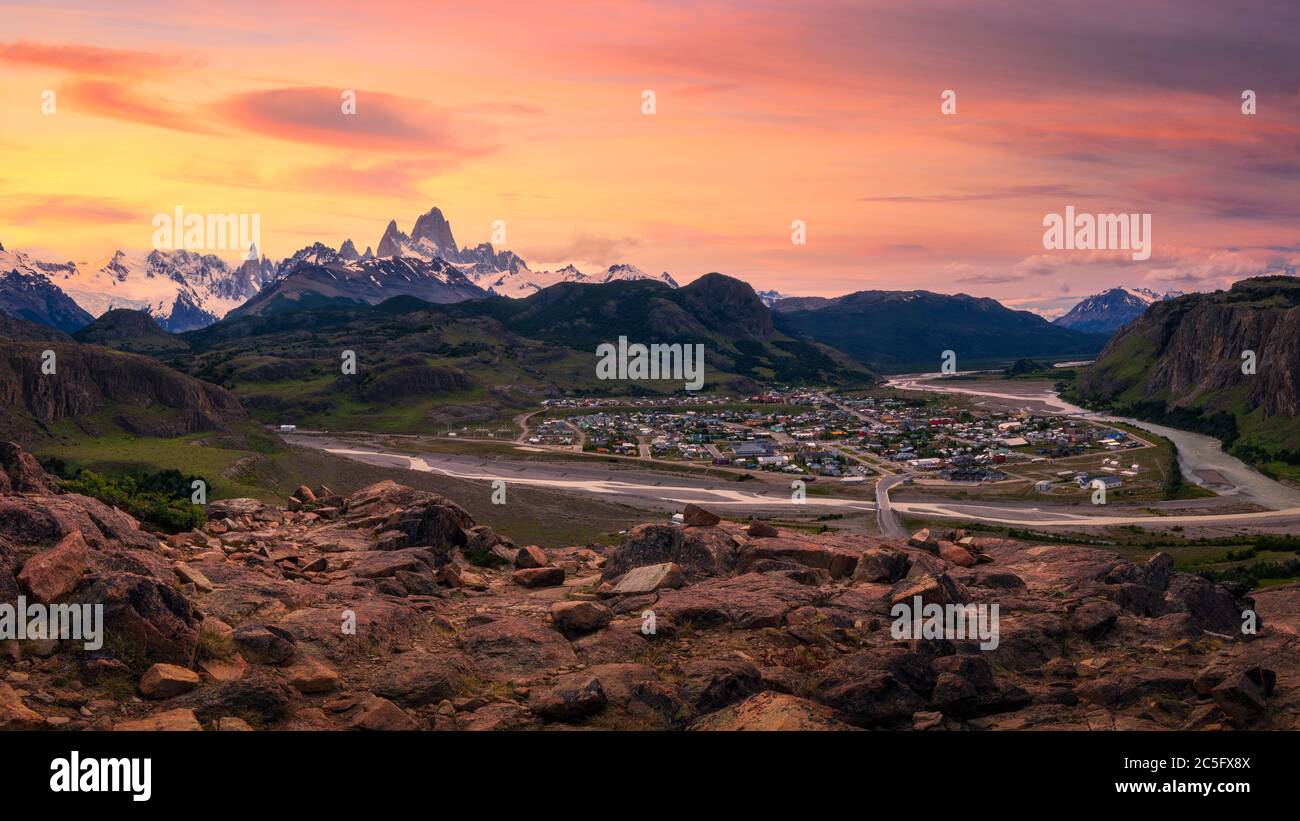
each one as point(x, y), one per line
point(766, 113)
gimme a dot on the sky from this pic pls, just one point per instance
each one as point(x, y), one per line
point(533, 114)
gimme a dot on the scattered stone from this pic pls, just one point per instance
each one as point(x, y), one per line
point(576, 617)
point(232, 724)
point(52, 574)
point(649, 578)
point(264, 644)
point(312, 676)
point(572, 698)
point(179, 720)
point(193, 576)
point(761, 530)
point(538, 576)
point(696, 516)
point(380, 714)
point(530, 556)
point(167, 680)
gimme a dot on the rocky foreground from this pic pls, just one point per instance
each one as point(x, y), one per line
point(391, 609)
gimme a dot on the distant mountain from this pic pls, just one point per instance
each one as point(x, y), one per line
point(127, 330)
point(896, 331)
point(1181, 363)
point(1111, 310)
point(770, 297)
point(20, 330)
point(27, 292)
point(180, 289)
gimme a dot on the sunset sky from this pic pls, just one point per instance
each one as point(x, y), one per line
point(767, 113)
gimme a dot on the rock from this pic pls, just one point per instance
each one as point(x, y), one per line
point(956, 554)
point(772, 711)
point(878, 564)
point(751, 601)
point(644, 545)
point(696, 516)
point(932, 588)
point(382, 715)
point(145, 614)
point(311, 675)
point(576, 617)
point(501, 715)
point(1094, 618)
point(20, 472)
point(53, 573)
point(927, 720)
point(419, 678)
point(874, 688)
point(711, 684)
point(304, 494)
point(257, 694)
point(837, 561)
point(179, 720)
point(538, 576)
point(232, 724)
point(761, 530)
point(924, 540)
point(264, 644)
point(649, 578)
point(14, 715)
point(1240, 699)
point(573, 697)
point(512, 646)
point(530, 556)
point(167, 680)
point(192, 576)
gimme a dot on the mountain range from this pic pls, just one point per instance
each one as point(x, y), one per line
point(184, 290)
point(895, 331)
point(1111, 310)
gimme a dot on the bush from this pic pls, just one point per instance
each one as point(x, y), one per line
point(161, 500)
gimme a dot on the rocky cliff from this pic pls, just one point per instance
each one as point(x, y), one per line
point(138, 393)
point(1184, 358)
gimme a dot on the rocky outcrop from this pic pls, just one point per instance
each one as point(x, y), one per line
point(392, 609)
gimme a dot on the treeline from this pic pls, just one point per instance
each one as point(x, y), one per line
point(160, 500)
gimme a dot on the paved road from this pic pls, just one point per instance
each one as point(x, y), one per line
point(889, 525)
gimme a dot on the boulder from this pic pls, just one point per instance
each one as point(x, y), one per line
point(14, 715)
point(761, 530)
point(178, 720)
point(573, 697)
point(696, 516)
point(538, 576)
point(52, 574)
point(167, 680)
point(265, 644)
point(649, 578)
point(576, 617)
point(141, 612)
point(20, 472)
point(418, 678)
point(530, 556)
point(510, 647)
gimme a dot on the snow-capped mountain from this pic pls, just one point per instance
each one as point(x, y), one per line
point(1111, 310)
point(501, 272)
point(770, 297)
point(182, 290)
point(28, 292)
point(319, 275)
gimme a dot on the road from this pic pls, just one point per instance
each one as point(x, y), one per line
point(889, 525)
